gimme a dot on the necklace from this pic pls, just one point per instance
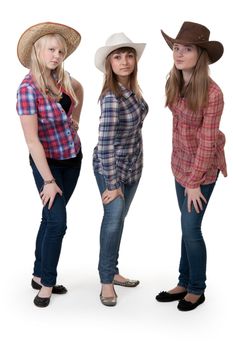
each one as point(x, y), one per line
point(50, 92)
point(184, 89)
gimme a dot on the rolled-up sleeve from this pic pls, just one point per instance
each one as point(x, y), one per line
point(109, 120)
point(26, 100)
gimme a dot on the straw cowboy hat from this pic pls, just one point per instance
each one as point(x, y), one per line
point(114, 42)
point(196, 34)
point(32, 34)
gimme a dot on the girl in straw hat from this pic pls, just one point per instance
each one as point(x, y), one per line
point(118, 155)
point(49, 103)
point(196, 103)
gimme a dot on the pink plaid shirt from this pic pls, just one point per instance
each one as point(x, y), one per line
point(58, 137)
point(198, 144)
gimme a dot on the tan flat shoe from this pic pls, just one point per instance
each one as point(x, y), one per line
point(127, 283)
point(108, 301)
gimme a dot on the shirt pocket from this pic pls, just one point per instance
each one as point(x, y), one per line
point(50, 113)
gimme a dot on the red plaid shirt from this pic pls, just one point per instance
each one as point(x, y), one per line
point(59, 139)
point(198, 144)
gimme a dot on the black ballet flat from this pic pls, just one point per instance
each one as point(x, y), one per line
point(41, 302)
point(165, 297)
point(185, 305)
point(56, 289)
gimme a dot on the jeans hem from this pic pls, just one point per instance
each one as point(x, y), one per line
point(106, 282)
point(199, 292)
point(45, 285)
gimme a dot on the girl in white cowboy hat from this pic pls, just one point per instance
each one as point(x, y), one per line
point(49, 104)
point(118, 156)
point(196, 103)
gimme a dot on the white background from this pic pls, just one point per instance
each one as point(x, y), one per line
point(151, 242)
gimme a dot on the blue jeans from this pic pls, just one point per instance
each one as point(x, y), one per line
point(112, 228)
point(53, 223)
point(192, 267)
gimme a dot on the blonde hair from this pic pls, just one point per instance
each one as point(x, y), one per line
point(110, 78)
point(196, 92)
point(37, 66)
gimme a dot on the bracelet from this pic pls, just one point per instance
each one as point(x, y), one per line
point(75, 124)
point(47, 182)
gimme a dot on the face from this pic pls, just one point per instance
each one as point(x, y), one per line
point(185, 56)
point(123, 63)
point(52, 54)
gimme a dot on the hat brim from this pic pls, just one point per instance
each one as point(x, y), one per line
point(214, 48)
point(32, 34)
point(103, 52)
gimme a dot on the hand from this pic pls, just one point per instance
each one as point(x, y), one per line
point(196, 197)
point(108, 196)
point(48, 194)
point(74, 124)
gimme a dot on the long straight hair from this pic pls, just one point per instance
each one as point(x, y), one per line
point(196, 93)
point(110, 78)
point(37, 66)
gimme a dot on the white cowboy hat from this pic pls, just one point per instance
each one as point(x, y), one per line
point(114, 42)
point(32, 34)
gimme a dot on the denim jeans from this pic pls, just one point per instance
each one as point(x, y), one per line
point(112, 228)
point(53, 223)
point(192, 266)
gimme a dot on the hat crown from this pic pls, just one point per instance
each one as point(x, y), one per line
point(118, 39)
point(193, 32)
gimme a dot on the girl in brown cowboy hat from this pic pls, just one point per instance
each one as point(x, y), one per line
point(118, 156)
point(49, 103)
point(196, 103)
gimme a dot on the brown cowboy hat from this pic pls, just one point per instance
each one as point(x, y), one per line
point(32, 34)
point(196, 34)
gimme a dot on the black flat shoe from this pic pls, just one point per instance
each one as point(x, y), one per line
point(55, 290)
point(185, 305)
point(167, 297)
point(41, 302)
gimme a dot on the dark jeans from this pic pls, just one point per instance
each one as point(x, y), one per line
point(111, 229)
point(53, 223)
point(192, 267)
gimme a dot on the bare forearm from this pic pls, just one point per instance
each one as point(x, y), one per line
point(38, 155)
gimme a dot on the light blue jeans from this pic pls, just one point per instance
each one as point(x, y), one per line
point(112, 228)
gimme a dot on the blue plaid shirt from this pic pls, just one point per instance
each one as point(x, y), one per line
point(118, 155)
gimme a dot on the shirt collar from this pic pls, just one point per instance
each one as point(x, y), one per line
point(125, 92)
